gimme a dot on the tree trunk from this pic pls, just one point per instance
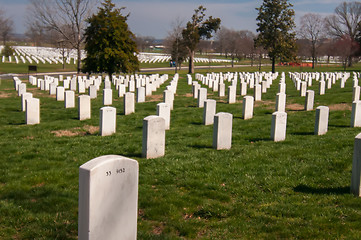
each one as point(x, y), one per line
point(349, 60)
point(79, 59)
point(273, 64)
point(191, 62)
point(232, 61)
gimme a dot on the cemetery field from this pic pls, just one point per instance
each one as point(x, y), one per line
point(259, 189)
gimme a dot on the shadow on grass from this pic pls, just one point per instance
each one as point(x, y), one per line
point(200, 146)
point(340, 126)
point(131, 155)
point(337, 190)
point(303, 133)
point(17, 124)
point(196, 123)
point(259, 139)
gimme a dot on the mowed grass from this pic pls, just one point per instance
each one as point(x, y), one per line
point(296, 189)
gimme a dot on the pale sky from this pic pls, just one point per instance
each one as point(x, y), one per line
point(155, 17)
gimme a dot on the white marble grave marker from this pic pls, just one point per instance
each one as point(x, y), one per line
point(107, 96)
point(248, 102)
point(107, 121)
point(84, 107)
point(24, 97)
point(32, 114)
point(108, 198)
point(321, 123)
point(69, 99)
point(202, 96)
point(222, 131)
point(310, 98)
point(60, 91)
point(209, 111)
point(163, 110)
point(278, 129)
point(129, 105)
point(153, 145)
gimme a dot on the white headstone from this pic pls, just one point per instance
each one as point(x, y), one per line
point(24, 97)
point(84, 107)
point(356, 114)
point(202, 96)
point(129, 105)
point(140, 94)
point(32, 114)
point(248, 102)
point(153, 137)
point(222, 131)
point(69, 99)
point(108, 198)
point(209, 111)
point(107, 96)
point(309, 101)
point(281, 102)
point(321, 122)
point(163, 110)
point(107, 121)
point(60, 91)
point(278, 129)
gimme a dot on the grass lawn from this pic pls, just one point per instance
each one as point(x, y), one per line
point(295, 189)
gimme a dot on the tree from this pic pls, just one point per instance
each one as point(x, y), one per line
point(175, 45)
point(109, 43)
point(144, 43)
point(198, 28)
point(6, 27)
point(275, 27)
point(345, 23)
point(66, 17)
point(312, 29)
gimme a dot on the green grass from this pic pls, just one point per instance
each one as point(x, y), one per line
point(296, 189)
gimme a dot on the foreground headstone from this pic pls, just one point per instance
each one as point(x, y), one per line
point(153, 145)
point(356, 167)
point(248, 102)
point(69, 99)
point(107, 121)
point(278, 129)
point(84, 109)
point(108, 198)
point(222, 131)
point(356, 114)
point(209, 111)
point(163, 110)
point(356, 93)
point(32, 114)
point(129, 105)
point(321, 123)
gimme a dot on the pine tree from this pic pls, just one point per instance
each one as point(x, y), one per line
point(275, 27)
point(109, 43)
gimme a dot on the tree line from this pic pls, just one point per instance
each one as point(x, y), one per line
point(104, 34)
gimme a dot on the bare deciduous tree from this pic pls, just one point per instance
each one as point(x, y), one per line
point(67, 17)
point(345, 23)
point(6, 27)
point(312, 29)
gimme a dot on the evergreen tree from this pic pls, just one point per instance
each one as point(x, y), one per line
point(275, 27)
point(109, 43)
point(196, 29)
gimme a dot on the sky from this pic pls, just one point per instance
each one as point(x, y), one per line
point(156, 17)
